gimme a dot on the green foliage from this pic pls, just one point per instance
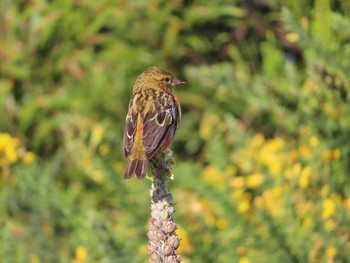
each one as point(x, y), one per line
point(262, 152)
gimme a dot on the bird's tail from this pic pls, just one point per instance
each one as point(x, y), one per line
point(137, 160)
point(137, 167)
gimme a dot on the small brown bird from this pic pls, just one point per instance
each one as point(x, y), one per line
point(152, 120)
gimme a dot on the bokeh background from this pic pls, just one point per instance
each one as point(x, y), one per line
point(262, 172)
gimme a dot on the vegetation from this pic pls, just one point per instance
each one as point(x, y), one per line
point(262, 154)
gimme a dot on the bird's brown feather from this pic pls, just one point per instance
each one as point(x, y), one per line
point(129, 132)
point(157, 125)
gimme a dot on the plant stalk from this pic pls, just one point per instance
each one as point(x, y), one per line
point(162, 238)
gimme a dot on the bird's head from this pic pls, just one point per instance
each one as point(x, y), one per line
point(161, 76)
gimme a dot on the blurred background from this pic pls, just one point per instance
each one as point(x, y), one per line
point(262, 172)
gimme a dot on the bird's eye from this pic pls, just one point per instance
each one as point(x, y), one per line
point(167, 80)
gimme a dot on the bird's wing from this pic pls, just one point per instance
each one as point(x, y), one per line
point(129, 132)
point(157, 123)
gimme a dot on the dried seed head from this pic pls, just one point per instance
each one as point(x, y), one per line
point(174, 259)
point(150, 246)
point(150, 235)
point(160, 235)
point(154, 258)
point(168, 250)
point(174, 241)
point(155, 222)
point(170, 210)
point(162, 239)
point(156, 212)
point(170, 227)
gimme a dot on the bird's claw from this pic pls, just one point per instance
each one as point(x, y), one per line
point(161, 165)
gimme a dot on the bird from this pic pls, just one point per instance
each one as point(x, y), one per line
point(152, 120)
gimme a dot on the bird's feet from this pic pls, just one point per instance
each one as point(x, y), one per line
point(160, 164)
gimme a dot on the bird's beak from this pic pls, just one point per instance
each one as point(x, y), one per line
point(176, 81)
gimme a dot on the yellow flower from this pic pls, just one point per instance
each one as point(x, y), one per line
point(292, 37)
point(276, 144)
point(257, 140)
point(207, 125)
point(326, 155)
point(213, 176)
point(346, 204)
point(329, 209)
point(331, 251)
point(277, 192)
point(275, 167)
point(270, 155)
point(11, 153)
point(8, 149)
point(292, 173)
point(324, 191)
point(304, 177)
point(307, 222)
point(28, 157)
point(209, 219)
point(185, 244)
point(238, 194)
point(314, 141)
point(273, 201)
point(336, 198)
point(243, 206)
point(304, 208)
point(5, 139)
point(336, 154)
point(237, 182)
point(244, 260)
point(96, 135)
point(297, 168)
point(142, 249)
point(253, 181)
point(97, 175)
point(305, 151)
point(259, 201)
point(329, 225)
point(221, 223)
point(119, 167)
point(104, 149)
point(231, 170)
point(293, 156)
point(244, 163)
point(81, 253)
point(288, 174)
